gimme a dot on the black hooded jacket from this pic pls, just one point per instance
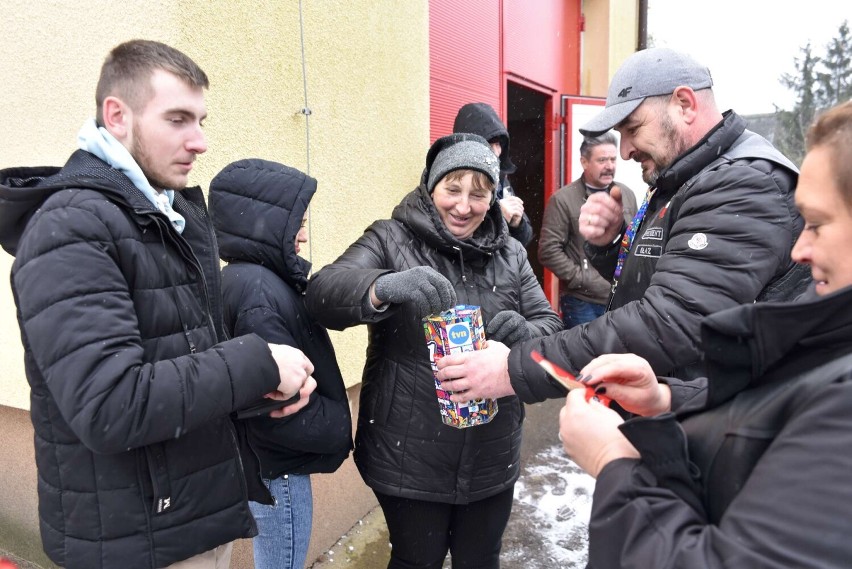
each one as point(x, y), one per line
point(257, 208)
point(481, 119)
point(402, 448)
point(131, 378)
point(752, 471)
point(718, 233)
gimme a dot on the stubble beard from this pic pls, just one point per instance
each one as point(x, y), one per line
point(676, 146)
point(139, 152)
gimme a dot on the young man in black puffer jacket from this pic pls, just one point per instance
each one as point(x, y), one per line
point(116, 282)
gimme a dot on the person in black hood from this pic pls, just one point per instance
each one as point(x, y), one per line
point(482, 119)
point(259, 209)
point(440, 488)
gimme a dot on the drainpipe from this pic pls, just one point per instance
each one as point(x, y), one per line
point(642, 42)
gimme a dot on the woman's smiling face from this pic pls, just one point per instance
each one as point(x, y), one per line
point(461, 203)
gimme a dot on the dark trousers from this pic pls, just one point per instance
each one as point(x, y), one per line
point(576, 311)
point(422, 532)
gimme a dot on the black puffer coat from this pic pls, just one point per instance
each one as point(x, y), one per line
point(717, 233)
point(402, 448)
point(131, 381)
point(753, 471)
point(257, 208)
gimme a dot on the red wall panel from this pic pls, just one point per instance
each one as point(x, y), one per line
point(464, 58)
point(541, 42)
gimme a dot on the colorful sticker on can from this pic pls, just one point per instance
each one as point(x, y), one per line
point(454, 331)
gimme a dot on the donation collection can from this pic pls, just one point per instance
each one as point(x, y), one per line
point(453, 331)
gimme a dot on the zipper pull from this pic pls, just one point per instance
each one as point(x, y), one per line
point(585, 264)
point(192, 348)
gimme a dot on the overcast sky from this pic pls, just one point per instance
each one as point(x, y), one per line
point(747, 44)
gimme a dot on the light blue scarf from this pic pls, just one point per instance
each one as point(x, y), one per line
point(102, 144)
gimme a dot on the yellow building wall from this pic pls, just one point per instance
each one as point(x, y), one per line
point(610, 37)
point(366, 68)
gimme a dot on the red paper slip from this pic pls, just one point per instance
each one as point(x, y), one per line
point(567, 379)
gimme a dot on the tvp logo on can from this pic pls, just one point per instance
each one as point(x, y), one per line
point(459, 334)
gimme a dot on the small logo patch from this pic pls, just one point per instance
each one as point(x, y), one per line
point(653, 234)
point(624, 92)
point(698, 242)
point(654, 251)
point(164, 504)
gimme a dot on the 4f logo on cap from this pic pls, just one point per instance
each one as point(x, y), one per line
point(624, 92)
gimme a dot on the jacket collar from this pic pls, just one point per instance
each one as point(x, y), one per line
point(751, 344)
point(24, 190)
point(712, 146)
point(417, 212)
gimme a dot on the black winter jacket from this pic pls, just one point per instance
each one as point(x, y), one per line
point(401, 446)
point(257, 208)
point(753, 471)
point(481, 119)
point(131, 379)
point(717, 233)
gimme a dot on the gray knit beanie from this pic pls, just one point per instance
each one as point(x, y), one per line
point(464, 155)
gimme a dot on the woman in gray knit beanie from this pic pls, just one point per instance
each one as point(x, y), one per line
point(441, 489)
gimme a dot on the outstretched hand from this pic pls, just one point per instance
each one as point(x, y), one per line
point(481, 373)
point(628, 380)
point(508, 327)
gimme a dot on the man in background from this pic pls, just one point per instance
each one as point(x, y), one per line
point(583, 292)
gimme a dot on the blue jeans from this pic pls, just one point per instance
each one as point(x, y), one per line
point(285, 528)
point(576, 311)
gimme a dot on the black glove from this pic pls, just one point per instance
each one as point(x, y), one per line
point(426, 288)
point(508, 327)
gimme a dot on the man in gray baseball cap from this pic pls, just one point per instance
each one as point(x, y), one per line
point(715, 230)
point(646, 73)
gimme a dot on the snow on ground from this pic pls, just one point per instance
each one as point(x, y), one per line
point(549, 523)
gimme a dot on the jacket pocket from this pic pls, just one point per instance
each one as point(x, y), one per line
point(377, 392)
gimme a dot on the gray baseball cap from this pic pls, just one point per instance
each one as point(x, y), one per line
point(646, 73)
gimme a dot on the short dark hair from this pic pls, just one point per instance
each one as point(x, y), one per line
point(589, 142)
point(833, 130)
point(127, 70)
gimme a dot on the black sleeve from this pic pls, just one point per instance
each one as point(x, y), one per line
point(793, 510)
